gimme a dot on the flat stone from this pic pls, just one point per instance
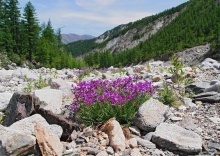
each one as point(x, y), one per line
point(176, 138)
point(211, 97)
point(145, 143)
point(174, 118)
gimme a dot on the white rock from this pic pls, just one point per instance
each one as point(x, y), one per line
point(52, 97)
point(4, 100)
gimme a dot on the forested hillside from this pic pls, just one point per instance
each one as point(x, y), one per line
point(197, 24)
point(83, 47)
point(23, 40)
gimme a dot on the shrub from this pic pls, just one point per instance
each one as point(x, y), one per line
point(167, 95)
point(98, 100)
point(179, 74)
point(4, 61)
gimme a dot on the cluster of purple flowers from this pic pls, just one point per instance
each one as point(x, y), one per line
point(116, 92)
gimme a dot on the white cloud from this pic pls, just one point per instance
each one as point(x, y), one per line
point(113, 18)
point(93, 4)
point(93, 16)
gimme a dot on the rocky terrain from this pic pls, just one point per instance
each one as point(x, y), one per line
point(40, 123)
point(128, 40)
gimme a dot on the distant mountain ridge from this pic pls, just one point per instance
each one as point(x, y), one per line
point(68, 38)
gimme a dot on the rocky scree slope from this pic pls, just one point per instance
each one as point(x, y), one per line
point(41, 124)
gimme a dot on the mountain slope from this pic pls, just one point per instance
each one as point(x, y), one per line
point(68, 38)
point(125, 36)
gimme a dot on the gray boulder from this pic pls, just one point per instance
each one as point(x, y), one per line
point(176, 138)
point(20, 106)
point(207, 97)
point(4, 100)
point(14, 143)
point(150, 115)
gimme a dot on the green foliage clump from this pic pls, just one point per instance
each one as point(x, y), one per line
point(178, 74)
point(167, 96)
point(1, 117)
point(101, 112)
point(4, 60)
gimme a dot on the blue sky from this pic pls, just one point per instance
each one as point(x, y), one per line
point(94, 17)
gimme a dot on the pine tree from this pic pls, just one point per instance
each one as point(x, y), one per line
point(59, 39)
point(31, 30)
point(1, 25)
point(12, 21)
